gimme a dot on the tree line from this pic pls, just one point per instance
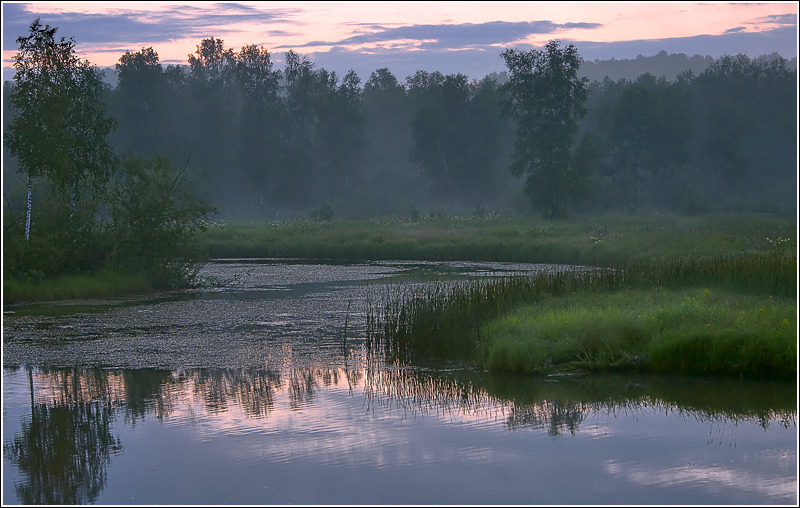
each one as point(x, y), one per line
point(259, 142)
point(267, 140)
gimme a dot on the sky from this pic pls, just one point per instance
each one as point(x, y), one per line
point(449, 37)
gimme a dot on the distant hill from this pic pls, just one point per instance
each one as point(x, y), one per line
point(662, 64)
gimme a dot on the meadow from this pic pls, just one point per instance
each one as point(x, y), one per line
point(604, 240)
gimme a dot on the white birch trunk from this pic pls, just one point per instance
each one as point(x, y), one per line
point(28, 213)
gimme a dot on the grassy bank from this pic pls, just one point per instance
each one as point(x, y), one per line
point(688, 331)
point(102, 284)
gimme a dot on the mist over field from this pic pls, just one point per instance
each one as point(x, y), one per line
point(669, 133)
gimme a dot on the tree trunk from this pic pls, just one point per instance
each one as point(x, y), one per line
point(28, 212)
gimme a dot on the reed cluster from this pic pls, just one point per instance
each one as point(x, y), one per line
point(644, 317)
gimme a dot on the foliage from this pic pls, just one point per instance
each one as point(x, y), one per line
point(646, 129)
point(60, 127)
point(745, 102)
point(322, 213)
point(154, 218)
point(269, 142)
point(595, 314)
point(546, 98)
point(602, 240)
point(59, 138)
point(597, 320)
point(455, 128)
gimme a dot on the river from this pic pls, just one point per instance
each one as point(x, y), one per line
point(258, 389)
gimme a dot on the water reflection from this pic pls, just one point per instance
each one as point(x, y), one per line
point(66, 441)
point(68, 438)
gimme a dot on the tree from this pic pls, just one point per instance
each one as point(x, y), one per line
point(438, 126)
point(153, 219)
point(60, 130)
point(646, 130)
point(259, 123)
point(214, 108)
point(340, 134)
point(141, 101)
point(546, 98)
point(211, 60)
point(748, 127)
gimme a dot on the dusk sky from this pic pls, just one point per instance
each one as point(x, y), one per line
point(450, 37)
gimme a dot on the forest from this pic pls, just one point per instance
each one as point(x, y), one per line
point(231, 133)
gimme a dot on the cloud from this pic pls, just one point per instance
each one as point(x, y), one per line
point(478, 62)
point(781, 40)
point(121, 26)
point(454, 36)
point(778, 19)
point(735, 30)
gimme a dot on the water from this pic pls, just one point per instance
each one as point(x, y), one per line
point(259, 391)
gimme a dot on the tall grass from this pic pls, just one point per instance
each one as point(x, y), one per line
point(688, 331)
point(442, 322)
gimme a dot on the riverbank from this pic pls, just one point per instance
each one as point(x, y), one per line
point(103, 284)
point(721, 316)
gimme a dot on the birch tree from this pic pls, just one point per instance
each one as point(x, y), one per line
point(546, 98)
point(60, 129)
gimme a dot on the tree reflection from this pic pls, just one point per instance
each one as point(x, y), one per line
point(251, 390)
point(302, 383)
point(146, 391)
point(65, 447)
point(66, 444)
point(560, 406)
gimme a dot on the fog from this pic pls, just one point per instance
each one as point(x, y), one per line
point(263, 143)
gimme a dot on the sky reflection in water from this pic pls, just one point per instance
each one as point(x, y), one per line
point(244, 394)
point(393, 436)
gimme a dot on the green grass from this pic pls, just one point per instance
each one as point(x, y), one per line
point(689, 331)
point(657, 265)
point(608, 240)
point(646, 317)
point(72, 286)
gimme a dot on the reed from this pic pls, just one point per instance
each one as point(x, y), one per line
point(600, 332)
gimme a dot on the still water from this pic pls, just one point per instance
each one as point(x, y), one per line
point(258, 390)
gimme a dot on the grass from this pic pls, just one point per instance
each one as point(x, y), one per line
point(608, 240)
point(688, 331)
point(574, 319)
point(71, 286)
point(646, 317)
